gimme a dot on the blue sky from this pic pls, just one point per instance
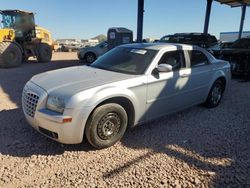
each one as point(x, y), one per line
point(88, 18)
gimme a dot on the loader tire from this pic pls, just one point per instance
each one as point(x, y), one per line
point(10, 55)
point(44, 53)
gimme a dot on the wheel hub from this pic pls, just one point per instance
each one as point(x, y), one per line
point(216, 94)
point(12, 56)
point(90, 58)
point(108, 126)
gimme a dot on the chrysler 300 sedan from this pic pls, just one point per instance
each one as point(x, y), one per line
point(127, 86)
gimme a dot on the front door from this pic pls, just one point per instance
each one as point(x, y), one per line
point(165, 90)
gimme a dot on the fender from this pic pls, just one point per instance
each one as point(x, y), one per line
point(111, 92)
point(89, 51)
point(100, 95)
point(93, 97)
point(18, 45)
point(219, 74)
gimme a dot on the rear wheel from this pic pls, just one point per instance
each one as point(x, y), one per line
point(106, 125)
point(215, 94)
point(10, 55)
point(90, 58)
point(44, 53)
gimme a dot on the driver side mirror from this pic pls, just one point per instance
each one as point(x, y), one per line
point(164, 68)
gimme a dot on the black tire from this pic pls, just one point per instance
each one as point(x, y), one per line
point(10, 55)
point(44, 53)
point(215, 95)
point(106, 125)
point(90, 57)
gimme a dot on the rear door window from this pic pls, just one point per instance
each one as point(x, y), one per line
point(243, 43)
point(197, 58)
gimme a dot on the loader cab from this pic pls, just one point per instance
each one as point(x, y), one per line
point(22, 22)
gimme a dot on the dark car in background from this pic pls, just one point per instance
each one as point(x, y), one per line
point(207, 41)
point(238, 55)
point(226, 45)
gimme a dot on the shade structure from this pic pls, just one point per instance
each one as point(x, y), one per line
point(234, 3)
point(231, 3)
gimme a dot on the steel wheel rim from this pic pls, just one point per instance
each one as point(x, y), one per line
point(46, 51)
point(12, 56)
point(216, 94)
point(109, 126)
point(90, 58)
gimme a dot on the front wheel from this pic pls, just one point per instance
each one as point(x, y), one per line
point(10, 55)
point(106, 125)
point(215, 94)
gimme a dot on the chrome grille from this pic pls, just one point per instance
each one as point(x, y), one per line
point(30, 101)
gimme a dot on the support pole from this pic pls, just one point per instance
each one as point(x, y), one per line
point(207, 18)
point(140, 20)
point(243, 15)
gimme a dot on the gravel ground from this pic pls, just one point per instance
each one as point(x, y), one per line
point(194, 148)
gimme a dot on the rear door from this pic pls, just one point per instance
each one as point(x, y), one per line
point(201, 73)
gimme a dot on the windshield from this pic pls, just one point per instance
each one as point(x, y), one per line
point(126, 60)
point(174, 39)
point(204, 41)
point(15, 20)
point(226, 45)
point(242, 43)
point(102, 44)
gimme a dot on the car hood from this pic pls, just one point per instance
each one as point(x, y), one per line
point(68, 81)
point(234, 50)
point(227, 49)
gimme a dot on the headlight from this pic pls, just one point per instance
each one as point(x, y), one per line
point(56, 104)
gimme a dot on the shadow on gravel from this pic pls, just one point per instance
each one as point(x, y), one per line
point(220, 148)
point(222, 152)
point(15, 134)
point(18, 139)
point(242, 78)
point(13, 80)
point(211, 142)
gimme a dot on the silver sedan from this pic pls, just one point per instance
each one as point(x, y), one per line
point(90, 54)
point(127, 86)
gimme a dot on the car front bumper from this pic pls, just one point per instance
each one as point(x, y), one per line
point(52, 124)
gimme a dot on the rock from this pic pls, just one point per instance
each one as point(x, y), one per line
point(196, 181)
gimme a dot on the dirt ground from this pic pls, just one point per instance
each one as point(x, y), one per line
point(198, 147)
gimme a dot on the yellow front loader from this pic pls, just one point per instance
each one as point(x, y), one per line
point(20, 39)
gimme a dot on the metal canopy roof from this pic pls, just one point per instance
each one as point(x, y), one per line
point(16, 11)
point(234, 3)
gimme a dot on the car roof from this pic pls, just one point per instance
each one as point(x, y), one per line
point(190, 34)
point(160, 46)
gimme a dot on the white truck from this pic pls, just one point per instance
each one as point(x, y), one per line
point(232, 36)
